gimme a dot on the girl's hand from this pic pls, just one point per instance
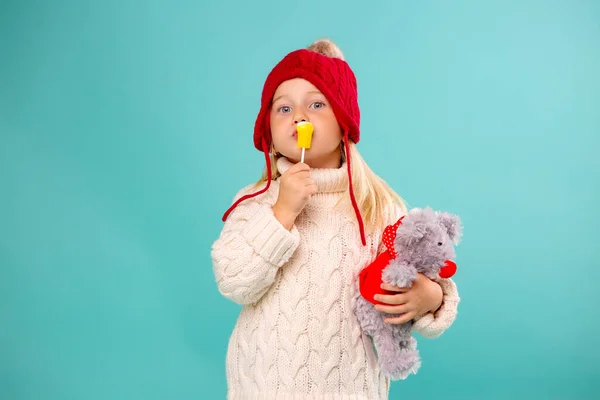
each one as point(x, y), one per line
point(295, 189)
point(424, 296)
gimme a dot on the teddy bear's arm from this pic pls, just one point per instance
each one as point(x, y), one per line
point(399, 274)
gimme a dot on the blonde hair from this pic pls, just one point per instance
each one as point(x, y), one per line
point(377, 201)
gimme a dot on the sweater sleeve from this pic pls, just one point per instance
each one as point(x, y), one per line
point(251, 248)
point(432, 325)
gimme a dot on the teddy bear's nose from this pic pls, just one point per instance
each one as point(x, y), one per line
point(448, 270)
point(440, 243)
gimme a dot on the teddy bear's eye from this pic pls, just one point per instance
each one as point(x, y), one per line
point(440, 243)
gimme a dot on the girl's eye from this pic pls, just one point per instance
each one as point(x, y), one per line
point(284, 109)
point(318, 104)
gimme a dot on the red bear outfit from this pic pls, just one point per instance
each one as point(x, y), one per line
point(370, 278)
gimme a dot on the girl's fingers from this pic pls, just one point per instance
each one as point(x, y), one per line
point(308, 182)
point(401, 319)
point(392, 288)
point(394, 309)
point(393, 299)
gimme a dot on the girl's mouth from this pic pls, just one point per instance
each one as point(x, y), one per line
point(295, 135)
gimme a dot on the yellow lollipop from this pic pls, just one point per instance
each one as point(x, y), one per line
point(305, 131)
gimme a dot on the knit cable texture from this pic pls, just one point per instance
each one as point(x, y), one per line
point(296, 336)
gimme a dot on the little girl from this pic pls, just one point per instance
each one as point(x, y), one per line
point(293, 244)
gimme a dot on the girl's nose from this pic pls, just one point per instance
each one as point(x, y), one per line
point(299, 119)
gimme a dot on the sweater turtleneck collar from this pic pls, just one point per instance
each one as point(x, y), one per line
point(328, 180)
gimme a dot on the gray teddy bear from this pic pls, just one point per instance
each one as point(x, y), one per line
point(421, 241)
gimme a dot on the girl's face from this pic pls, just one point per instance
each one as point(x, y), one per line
point(298, 100)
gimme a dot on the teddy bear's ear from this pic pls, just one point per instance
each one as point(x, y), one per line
point(413, 227)
point(452, 225)
point(409, 233)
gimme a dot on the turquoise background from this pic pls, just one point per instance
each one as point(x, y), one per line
point(126, 129)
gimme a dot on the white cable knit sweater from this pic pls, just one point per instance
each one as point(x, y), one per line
point(296, 336)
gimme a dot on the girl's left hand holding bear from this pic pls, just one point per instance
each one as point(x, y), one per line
point(424, 296)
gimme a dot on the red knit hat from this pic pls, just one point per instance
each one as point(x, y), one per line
point(335, 79)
